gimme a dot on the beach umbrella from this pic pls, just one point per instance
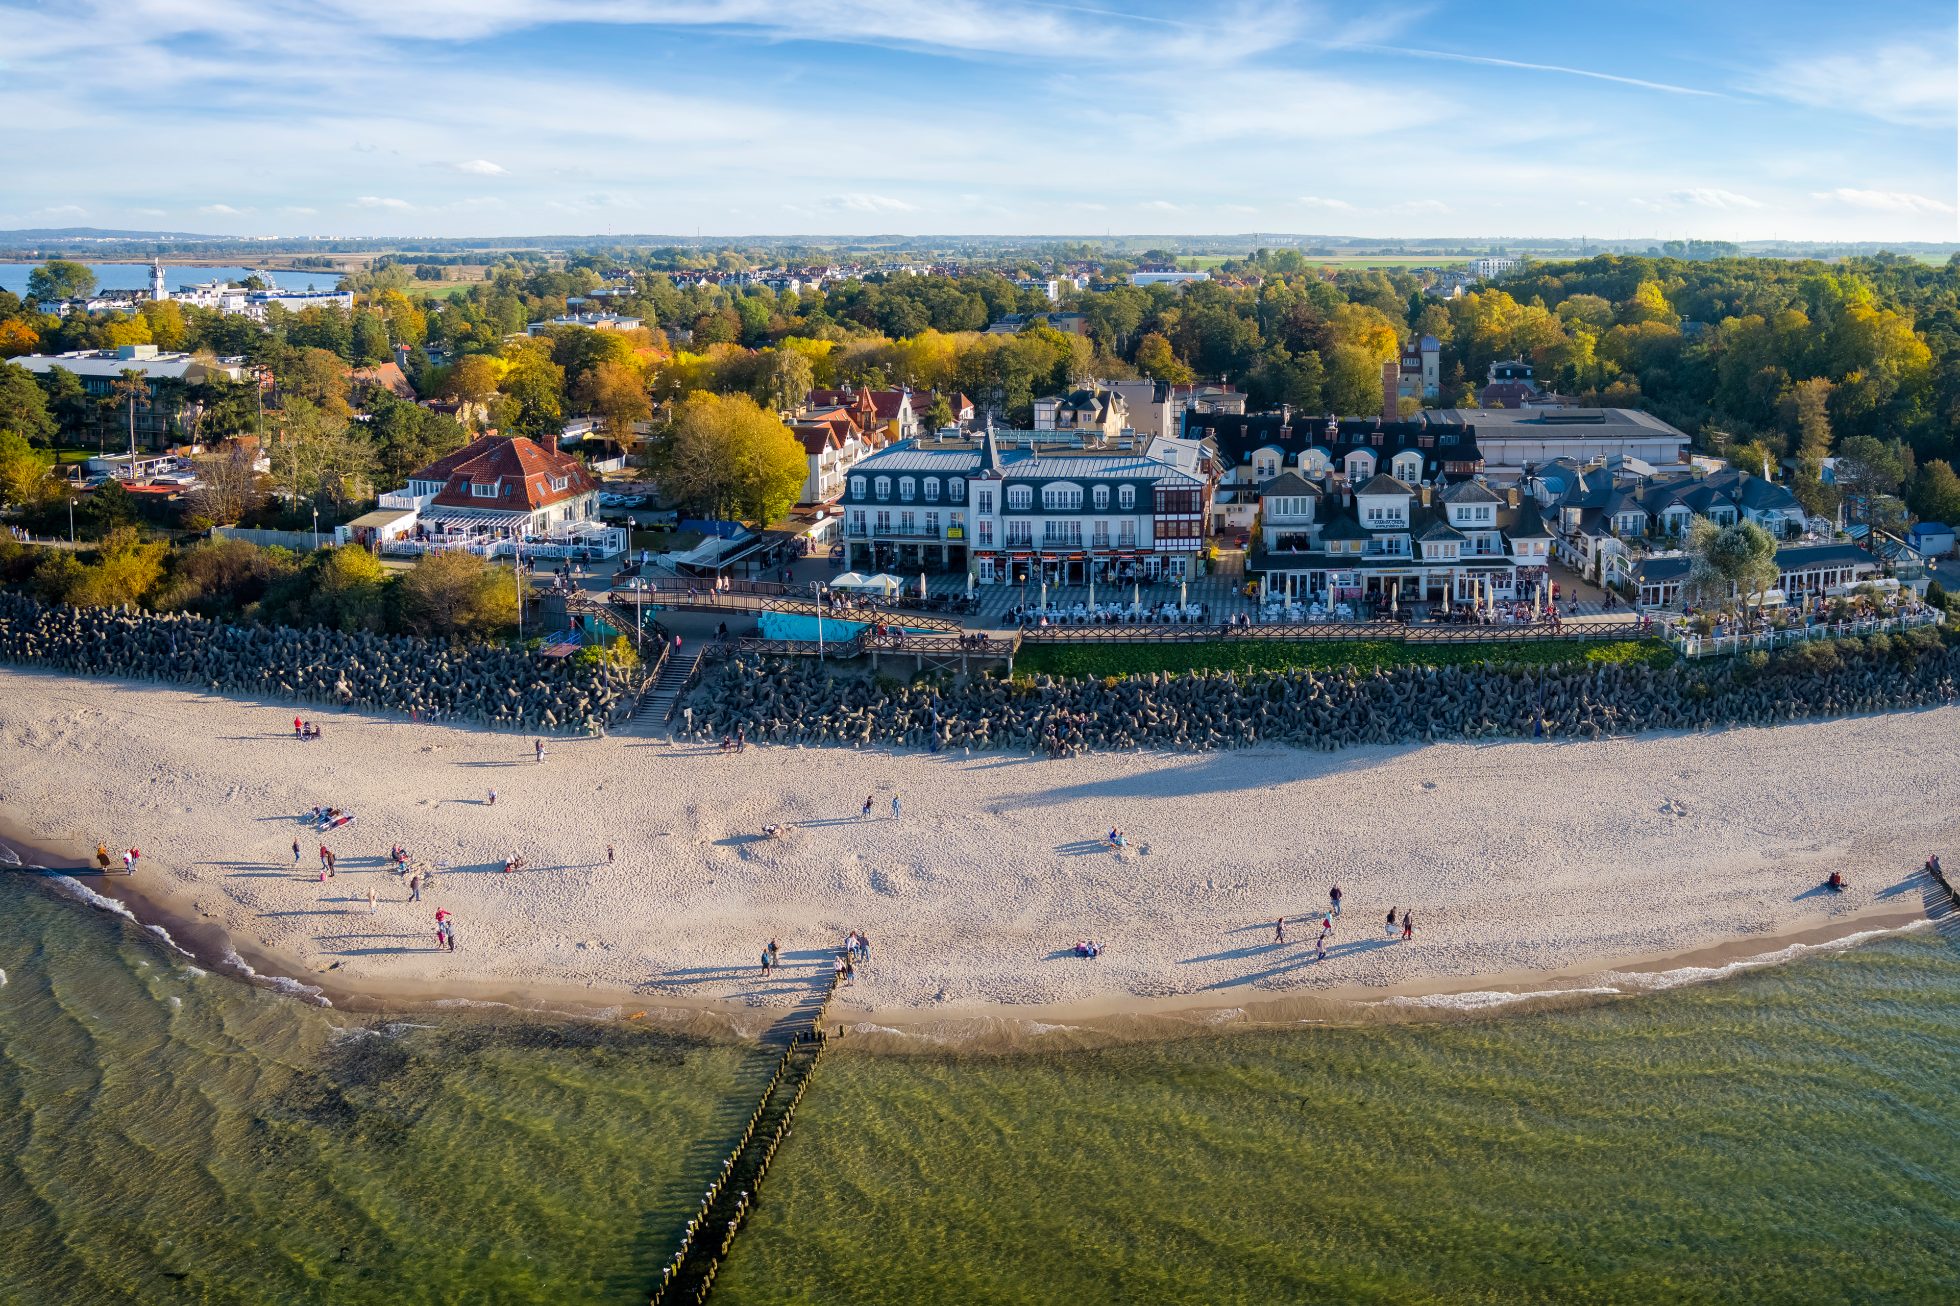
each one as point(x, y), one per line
point(1180, 594)
point(1448, 584)
point(1092, 586)
point(1136, 596)
point(969, 584)
point(922, 584)
point(1395, 599)
point(1044, 592)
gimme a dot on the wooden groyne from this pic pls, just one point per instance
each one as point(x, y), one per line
point(689, 1274)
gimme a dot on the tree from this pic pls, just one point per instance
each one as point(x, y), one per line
point(939, 414)
point(17, 338)
point(458, 594)
point(229, 488)
point(125, 570)
point(1936, 493)
point(615, 393)
point(408, 437)
point(473, 379)
point(107, 508)
point(319, 456)
point(538, 386)
point(317, 376)
point(344, 587)
point(1739, 558)
point(221, 578)
point(26, 473)
point(370, 339)
point(783, 380)
point(60, 279)
point(1156, 360)
point(726, 455)
point(24, 406)
point(1866, 469)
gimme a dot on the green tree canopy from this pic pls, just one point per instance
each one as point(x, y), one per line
point(726, 456)
point(60, 278)
point(458, 594)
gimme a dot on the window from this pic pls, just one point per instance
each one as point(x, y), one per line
point(986, 500)
point(1102, 497)
point(932, 489)
point(884, 521)
point(1020, 496)
point(884, 488)
point(956, 489)
point(560, 482)
point(857, 487)
point(857, 522)
point(932, 522)
point(1126, 534)
point(907, 487)
point(482, 491)
point(905, 526)
point(1126, 497)
point(1062, 497)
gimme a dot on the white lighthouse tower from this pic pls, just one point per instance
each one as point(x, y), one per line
point(157, 292)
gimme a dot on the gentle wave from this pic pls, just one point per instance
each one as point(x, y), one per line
point(285, 984)
point(75, 888)
point(1484, 999)
point(1659, 981)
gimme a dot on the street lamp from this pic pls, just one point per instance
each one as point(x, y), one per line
point(316, 530)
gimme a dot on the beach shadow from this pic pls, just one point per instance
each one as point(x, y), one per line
point(268, 875)
point(1913, 881)
point(833, 820)
point(321, 911)
point(483, 764)
point(398, 944)
point(1819, 891)
point(1083, 847)
point(1238, 954)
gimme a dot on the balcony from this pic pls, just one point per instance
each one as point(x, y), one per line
point(875, 532)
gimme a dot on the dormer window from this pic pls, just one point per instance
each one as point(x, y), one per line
point(906, 489)
point(956, 489)
point(1020, 496)
point(1126, 497)
point(1102, 497)
point(483, 490)
point(884, 488)
point(560, 482)
point(932, 489)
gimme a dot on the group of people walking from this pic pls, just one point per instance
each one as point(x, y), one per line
point(1333, 913)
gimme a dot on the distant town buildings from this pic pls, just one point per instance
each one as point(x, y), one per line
point(591, 321)
point(165, 409)
point(1494, 265)
point(1166, 277)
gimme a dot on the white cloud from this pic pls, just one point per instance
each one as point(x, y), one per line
point(1911, 84)
point(860, 202)
point(64, 211)
point(1698, 197)
point(1883, 201)
point(220, 211)
point(1453, 57)
point(1320, 202)
point(1162, 206)
point(481, 168)
point(382, 202)
point(1420, 206)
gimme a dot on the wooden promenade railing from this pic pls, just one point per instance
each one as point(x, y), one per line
point(689, 1274)
point(750, 597)
point(1336, 631)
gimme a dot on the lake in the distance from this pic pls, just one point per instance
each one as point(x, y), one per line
point(136, 276)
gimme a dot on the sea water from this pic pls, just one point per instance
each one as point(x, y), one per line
point(1788, 1134)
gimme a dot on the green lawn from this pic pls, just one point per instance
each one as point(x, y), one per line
point(1120, 659)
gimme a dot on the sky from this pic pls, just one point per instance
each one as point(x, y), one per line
point(1745, 119)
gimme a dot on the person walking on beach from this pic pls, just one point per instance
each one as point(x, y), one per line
point(323, 857)
point(1279, 930)
point(493, 797)
point(1391, 922)
point(373, 906)
point(1334, 897)
point(415, 887)
point(894, 807)
point(1320, 948)
point(102, 856)
point(766, 959)
point(865, 814)
point(1408, 926)
point(538, 748)
point(296, 852)
point(775, 956)
point(129, 863)
point(609, 854)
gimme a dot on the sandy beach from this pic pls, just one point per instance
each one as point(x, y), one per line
point(1528, 865)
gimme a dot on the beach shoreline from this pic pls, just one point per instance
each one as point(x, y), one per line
point(1711, 851)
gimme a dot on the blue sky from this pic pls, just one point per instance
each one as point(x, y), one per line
point(1741, 119)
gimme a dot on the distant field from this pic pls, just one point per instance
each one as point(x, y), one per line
point(440, 289)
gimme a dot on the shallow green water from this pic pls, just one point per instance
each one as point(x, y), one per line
point(1791, 1135)
point(171, 1137)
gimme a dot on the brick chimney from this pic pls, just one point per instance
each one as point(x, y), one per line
point(1391, 384)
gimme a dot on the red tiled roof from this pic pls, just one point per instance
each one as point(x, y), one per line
point(816, 436)
point(521, 470)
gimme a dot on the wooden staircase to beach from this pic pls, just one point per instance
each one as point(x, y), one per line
point(658, 700)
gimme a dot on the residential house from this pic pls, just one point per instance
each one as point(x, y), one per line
point(1513, 439)
point(1023, 514)
point(382, 376)
point(1254, 448)
point(882, 415)
point(1421, 369)
point(1094, 408)
point(1607, 512)
point(1323, 539)
point(834, 443)
point(591, 321)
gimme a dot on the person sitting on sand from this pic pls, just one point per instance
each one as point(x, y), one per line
point(1932, 863)
point(1837, 882)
